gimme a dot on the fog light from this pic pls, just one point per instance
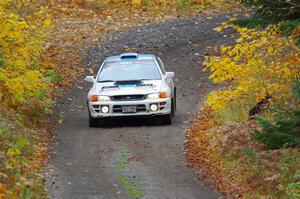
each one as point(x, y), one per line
point(104, 109)
point(153, 107)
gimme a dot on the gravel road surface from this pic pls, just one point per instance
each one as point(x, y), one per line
point(135, 158)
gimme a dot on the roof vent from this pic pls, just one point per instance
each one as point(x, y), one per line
point(129, 56)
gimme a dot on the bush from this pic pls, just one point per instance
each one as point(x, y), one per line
point(273, 11)
point(24, 30)
point(281, 133)
point(284, 131)
point(17, 170)
point(284, 13)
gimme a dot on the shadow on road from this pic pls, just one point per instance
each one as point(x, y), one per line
point(130, 122)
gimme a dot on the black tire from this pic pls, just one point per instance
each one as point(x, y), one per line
point(173, 107)
point(175, 101)
point(93, 122)
point(167, 119)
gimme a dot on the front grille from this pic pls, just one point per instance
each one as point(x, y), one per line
point(128, 97)
point(139, 108)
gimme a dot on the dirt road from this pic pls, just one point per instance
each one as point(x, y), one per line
point(135, 158)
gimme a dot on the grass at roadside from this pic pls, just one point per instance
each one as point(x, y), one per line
point(20, 160)
point(240, 167)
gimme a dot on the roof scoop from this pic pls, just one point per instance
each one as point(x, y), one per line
point(129, 56)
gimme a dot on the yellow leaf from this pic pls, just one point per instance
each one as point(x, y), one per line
point(232, 19)
point(239, 40)
point(137, 2)
point(218, 29)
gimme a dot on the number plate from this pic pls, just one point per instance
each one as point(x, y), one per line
point(129, 109)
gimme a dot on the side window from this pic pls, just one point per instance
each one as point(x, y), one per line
point(161, 65)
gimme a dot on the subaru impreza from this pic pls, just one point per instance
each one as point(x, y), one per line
point(131, 84)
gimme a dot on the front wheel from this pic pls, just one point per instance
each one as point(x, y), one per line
point(167, 119)
point(174, 100)
point(93, 122)
point(173, 106)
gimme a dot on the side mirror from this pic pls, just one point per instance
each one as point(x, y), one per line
point(170, 74)
point(90, 79)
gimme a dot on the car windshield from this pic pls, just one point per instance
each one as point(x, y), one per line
point(129, 70)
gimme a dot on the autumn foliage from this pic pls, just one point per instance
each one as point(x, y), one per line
point(24, 29)
point(23, 87)
point(259, 64)
point(36, 63)
point(257, 156)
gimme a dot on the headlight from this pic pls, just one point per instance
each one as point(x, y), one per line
point(96, 98)
point(103, 98)
point(153, 96)
point(157, 95)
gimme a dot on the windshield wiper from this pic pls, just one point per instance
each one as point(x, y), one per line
point(102, 81)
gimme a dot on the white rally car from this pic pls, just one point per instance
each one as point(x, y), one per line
point(131, 84)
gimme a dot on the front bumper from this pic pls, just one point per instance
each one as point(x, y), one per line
point(164, 108)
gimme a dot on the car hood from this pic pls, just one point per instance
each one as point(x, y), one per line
point(110, 89)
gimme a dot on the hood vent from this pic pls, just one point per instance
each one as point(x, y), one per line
point(142, 85)
point(109, 87)
point(136, 82)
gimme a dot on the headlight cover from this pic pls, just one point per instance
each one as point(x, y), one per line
point(103, 98)
point(100, 98)
point(153, 96)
